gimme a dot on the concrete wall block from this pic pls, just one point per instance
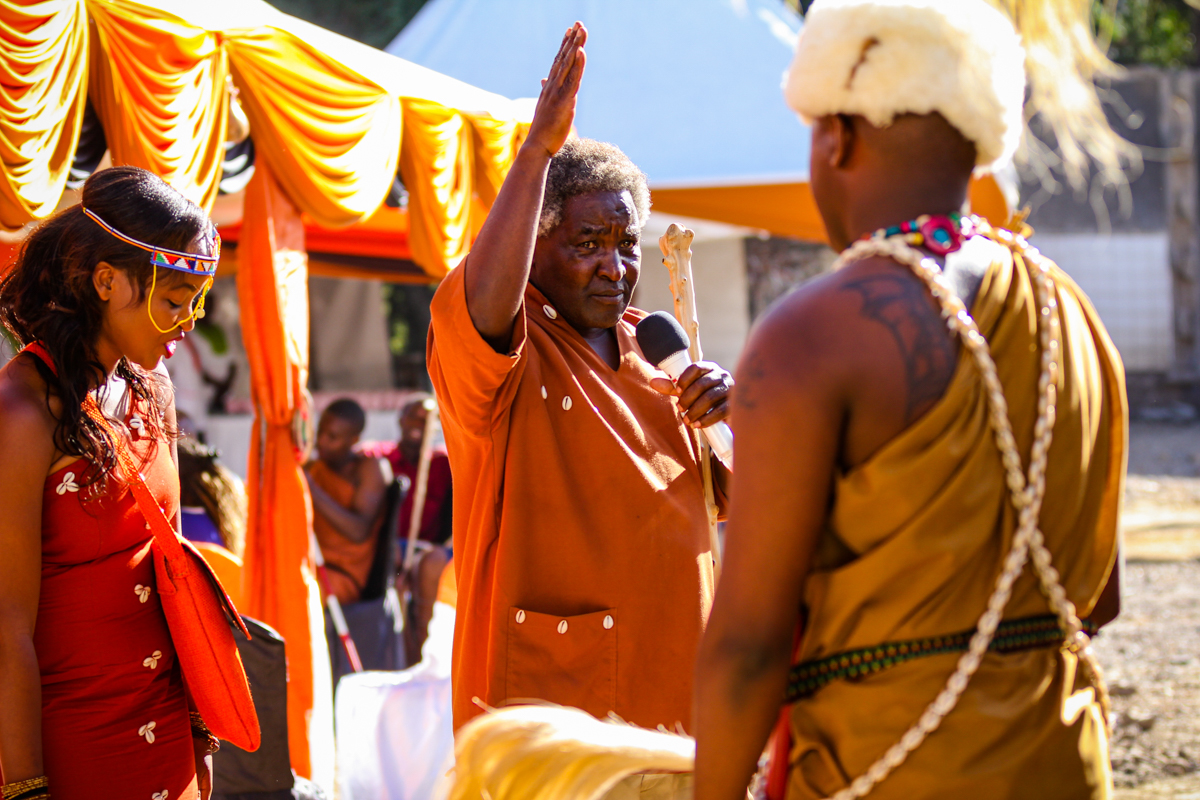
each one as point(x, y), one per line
point(1128, 279)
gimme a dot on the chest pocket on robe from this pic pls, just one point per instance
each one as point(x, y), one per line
point(571, 661)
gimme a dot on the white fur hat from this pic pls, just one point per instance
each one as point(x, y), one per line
point(881, 58)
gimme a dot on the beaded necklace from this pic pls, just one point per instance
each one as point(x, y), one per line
point(1027, 489)
point(940, 234)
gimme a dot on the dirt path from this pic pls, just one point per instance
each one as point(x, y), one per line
point(1152, 652)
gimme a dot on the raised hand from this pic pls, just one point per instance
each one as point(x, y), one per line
point(555, 111)
point(498, 269)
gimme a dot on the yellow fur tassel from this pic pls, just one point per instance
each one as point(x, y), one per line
point(546, 752)
point(1062, 63)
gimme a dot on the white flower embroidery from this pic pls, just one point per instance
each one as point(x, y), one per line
point(143, 592)
point(147, 730)
point(159, 795)
point(152, 660)
point(68, 484)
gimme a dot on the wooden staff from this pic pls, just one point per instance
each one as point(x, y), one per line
point(422, 484)
point(335, 608)
point(676, 245)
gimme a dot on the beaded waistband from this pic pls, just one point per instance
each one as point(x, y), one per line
point(1012, 636)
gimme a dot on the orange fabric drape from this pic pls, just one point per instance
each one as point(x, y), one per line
point(436, 165)
point(788, 209)
point(159, 88)
point(43, 92)
point(496, 145)
point(328, 114)
point(328, 133)
point(278, 577)
point(452, 165)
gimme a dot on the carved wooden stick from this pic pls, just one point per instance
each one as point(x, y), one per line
point(676, 245)
point(421, 486)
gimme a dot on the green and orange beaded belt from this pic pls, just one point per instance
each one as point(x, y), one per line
point(1012, 636)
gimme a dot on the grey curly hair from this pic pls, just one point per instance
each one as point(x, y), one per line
point(584, 166)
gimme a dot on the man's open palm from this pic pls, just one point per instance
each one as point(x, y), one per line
point(555, 112)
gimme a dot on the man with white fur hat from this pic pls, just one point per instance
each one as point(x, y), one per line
point(931, 452)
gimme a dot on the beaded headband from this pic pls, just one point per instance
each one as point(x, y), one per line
point(192, 263)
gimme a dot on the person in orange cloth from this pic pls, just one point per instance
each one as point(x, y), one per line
point(94, 700)
point(931, 451)
point(348, 491)
point(581, 541)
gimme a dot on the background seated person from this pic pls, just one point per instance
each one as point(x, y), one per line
point(348, 491)
point(404, 457)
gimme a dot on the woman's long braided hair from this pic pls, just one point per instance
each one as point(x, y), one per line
point(49, 297)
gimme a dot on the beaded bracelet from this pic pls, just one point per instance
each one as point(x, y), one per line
point(200, 730)
point(30, 789)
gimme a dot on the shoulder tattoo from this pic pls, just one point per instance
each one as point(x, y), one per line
point(930, 353)
point(745, 390)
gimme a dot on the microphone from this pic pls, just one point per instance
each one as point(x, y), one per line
point(664, 342)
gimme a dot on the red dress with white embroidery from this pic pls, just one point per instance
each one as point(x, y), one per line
point(114, 713)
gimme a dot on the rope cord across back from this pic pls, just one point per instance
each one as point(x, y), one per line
point(1027, 489)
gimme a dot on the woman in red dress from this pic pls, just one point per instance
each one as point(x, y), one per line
point(92, 700)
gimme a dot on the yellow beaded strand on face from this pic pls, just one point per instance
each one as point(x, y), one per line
point(1027, 489)
point(197, 312)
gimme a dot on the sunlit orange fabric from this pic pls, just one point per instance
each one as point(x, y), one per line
point(435, 164)
point(447, 591)
point(327, 113)
point(330, 135)
point(581, 541)
point(788, 209)
point(918, 534)
point(382, 235)
point(228, 568)
point(496, 145)
point(278, 565)
point(158, 86)
point(43, 92)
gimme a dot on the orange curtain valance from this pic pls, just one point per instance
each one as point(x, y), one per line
point(331, 136)
point(332, 119)
point(159, 88)
point(43, 93)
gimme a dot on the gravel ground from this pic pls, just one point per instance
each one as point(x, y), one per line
point(1151, 657)
point(1151, 654)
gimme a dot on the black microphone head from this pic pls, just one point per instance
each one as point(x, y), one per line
point(661, 336)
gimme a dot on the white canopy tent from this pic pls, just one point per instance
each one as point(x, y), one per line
point(689, 89)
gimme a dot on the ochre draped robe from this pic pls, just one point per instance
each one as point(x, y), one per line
point(916, 538)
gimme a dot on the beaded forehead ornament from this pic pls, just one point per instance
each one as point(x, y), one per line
point(199, 264)
point(194, 263)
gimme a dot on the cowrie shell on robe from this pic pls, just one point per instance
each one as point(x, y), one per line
point(136, 423)
point(562, 626)
point(520, 616)
point(143, 592)
point(147, 731)
point(608, 622)
point(68, 484)
point(567, 403)
point(159, 795)
point(545, 394)
point(151, 660)
point(550, 312)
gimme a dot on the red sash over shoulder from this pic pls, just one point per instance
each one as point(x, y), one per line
point(199, 613)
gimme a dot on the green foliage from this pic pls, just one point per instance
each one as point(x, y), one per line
point(373, 22)
point(1156, 32)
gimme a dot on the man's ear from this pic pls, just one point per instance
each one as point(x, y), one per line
point(103, 278)
point(842, 131)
